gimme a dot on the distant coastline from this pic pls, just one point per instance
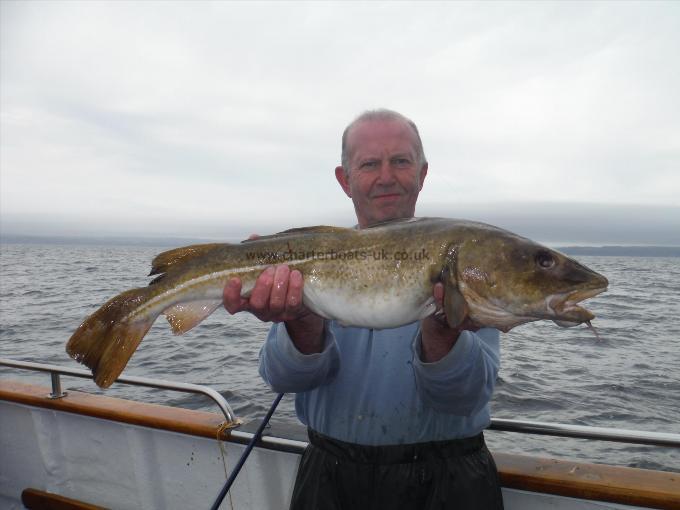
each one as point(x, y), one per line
point(604, 250)
point(105, 240)
point(622, 251)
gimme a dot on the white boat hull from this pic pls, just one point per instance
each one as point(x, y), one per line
point(125, 466)
point(120, 464)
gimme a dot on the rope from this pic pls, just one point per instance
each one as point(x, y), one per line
point(256, 437)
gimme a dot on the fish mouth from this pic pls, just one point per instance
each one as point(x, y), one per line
point(565, 308)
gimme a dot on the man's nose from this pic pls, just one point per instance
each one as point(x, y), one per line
point(386, 173)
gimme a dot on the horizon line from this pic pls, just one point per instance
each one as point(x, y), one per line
point(143, 240)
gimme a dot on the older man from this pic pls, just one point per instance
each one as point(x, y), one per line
point(395, 417)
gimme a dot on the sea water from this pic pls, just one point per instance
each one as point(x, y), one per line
point(629, 378)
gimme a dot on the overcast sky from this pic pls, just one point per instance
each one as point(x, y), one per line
point(210, 119)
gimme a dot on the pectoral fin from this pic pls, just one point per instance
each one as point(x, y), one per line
point(184, 316)
point(455, 307)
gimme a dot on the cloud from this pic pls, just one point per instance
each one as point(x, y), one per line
point(169, 116)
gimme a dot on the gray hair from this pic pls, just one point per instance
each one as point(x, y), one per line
point(386, 115)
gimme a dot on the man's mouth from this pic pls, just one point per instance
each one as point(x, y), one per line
point(387, 196)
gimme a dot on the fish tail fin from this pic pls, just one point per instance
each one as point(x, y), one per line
point(106, 340)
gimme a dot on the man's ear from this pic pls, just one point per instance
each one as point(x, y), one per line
point(343, 180)
point(423, 173)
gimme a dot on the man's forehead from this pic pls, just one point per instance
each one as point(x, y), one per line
point(372, 133)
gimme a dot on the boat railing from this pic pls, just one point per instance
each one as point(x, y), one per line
point(586, 432)
point(498, 424)
point(56, 371)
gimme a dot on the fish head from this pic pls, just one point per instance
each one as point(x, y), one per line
point(508, 280)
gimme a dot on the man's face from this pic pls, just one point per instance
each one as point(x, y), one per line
point(385, 175)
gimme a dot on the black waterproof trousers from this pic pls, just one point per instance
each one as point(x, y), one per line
point(459, 474)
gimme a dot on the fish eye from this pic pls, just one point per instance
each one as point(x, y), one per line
point(545, 260)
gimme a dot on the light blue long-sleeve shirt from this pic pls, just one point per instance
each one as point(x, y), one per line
point(370, 386)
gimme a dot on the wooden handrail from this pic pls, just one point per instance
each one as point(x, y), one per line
point(615, 484)
point(35, 499)
point(175, 419)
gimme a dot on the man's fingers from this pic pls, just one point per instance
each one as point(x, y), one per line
point(277, 300)
point(277, 295)
point(231, 296)
point(259, 296)
point(439, 315)
point(294, 296)
point(438, 293)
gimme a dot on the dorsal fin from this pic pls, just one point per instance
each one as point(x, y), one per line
point(395, 221)
point(164, 261)
point(318, 229)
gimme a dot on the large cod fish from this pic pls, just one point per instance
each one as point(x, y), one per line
point(379, 277)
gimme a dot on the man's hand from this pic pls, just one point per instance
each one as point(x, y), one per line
point(277, 297)
point(437, 337)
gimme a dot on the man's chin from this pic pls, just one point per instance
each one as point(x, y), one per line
point(388, 215)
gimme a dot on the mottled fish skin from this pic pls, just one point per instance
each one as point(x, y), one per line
point(379, 277)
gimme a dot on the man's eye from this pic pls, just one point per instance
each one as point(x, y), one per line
point(369, 164)
point(402, 162)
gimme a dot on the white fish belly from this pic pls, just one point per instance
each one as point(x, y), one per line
point(376, 310)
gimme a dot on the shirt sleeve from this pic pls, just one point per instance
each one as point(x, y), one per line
point(287, 370)
point(462, 382)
